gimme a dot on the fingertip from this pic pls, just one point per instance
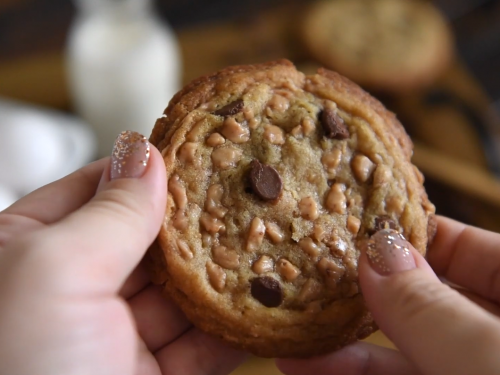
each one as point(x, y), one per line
point(157, 176)
point(105, 174)
point(195, 352)
point(382, 290)
point(155, 172)
point(377, 264)
point(357, 359)
point(150, 187)
point(348, 360)
point(132, 157)
point(448, 236)
point(157, 164)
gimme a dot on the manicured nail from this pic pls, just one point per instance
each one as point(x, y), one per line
point(130, 155)
point(388, 252)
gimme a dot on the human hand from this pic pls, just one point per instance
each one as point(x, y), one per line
point(436, 328)
point(70, 299)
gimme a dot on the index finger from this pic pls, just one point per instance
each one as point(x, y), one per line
point(54, 201)
point(467, 256)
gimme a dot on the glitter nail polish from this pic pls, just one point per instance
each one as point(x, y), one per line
point(388, 252)
point(130, 155)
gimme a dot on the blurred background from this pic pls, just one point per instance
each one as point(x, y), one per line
point(74, 74)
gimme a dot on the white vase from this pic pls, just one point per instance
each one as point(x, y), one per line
point(123, 67)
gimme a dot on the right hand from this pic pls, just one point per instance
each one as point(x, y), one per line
point(436, 328)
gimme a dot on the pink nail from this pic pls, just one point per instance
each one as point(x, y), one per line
point(130, 155)
point(388, 252)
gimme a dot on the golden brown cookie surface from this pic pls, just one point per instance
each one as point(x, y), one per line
point(388, 45)
point(274, 180)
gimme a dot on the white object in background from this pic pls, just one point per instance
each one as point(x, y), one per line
point(7, 197)
point(124, 67)
point(38, 146)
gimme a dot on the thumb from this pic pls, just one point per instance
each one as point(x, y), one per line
point(435, 327)
point(103, 241)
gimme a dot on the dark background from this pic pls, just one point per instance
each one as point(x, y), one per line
point(452, 119)
point(30, 26)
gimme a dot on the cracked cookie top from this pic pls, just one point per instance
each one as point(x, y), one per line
point(275, 180)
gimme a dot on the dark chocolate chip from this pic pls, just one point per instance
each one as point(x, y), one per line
point(265, 181)
point(230, 109)
point(267, 291)
point(333, 125)
point(384, 222)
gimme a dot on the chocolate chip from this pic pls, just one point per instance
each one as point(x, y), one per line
point(265, 181)
point(230, 109)
point(333, 125)
point(384, 222)
point(267, 291)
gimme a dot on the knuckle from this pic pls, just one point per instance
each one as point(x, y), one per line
point(7, 222)
point(119, 203)
point(33, 254)
point(126, 208)
point(14, 226)
point(360, 359)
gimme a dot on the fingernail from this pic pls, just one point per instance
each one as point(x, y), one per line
point(130, 155)
point(388, 252)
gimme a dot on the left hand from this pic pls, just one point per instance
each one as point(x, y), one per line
point(72, 299)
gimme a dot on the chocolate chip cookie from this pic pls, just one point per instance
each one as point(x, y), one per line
point(274, 181)
point(388, 45)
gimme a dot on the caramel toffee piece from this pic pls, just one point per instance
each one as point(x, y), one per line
point(384, 222)
point(275, 182)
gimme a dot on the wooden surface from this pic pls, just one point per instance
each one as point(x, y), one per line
point(38, 79)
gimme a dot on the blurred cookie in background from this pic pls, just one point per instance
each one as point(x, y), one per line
point(386, 45)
